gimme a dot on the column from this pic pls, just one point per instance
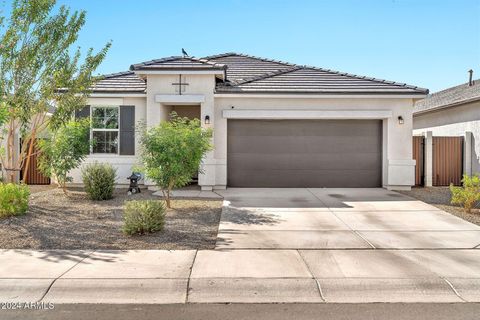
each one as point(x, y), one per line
point(467, 153)
point(428, 150)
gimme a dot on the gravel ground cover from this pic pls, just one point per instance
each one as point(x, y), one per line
point(58, 221)
point(440, 198)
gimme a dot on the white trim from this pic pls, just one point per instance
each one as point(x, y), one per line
point(320, 96)
point(116, 95)
point(180, 98)
point(140, 72)
point(307, 114)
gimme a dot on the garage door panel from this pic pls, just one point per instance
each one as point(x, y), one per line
point(307, 178)
point(329, 161)
point(306, 144)
point(284, 128)
point(304, 153)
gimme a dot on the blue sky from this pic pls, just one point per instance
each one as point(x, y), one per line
point(428, 43)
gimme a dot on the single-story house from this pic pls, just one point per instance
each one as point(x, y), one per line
point(275, 124)
point(453, 112)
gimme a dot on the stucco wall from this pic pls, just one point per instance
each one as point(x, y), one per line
point(398, 167)
point(454, 121)
point(198, 84)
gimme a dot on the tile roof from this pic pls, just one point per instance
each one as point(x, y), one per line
point(121, 82)
point(449, 97)
point(250, 74)
point(174, 63)
point(242, 67)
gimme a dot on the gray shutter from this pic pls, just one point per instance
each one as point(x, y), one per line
point(82, 113)
point(127, 130)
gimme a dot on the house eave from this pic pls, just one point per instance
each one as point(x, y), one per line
point(116, 94)
point(304, 95)
point(181, 71)
point(439, 108)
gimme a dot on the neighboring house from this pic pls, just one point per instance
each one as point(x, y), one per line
point(453, 112)
point(275, 124)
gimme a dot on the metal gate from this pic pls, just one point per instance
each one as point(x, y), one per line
point(34, 176)
point(418, 156)
point(447, 161)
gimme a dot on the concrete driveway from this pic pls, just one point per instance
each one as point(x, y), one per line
point(304, 218)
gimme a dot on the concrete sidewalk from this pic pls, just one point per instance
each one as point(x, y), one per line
point(240, 276)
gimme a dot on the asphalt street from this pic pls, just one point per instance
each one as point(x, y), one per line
point(370, 311)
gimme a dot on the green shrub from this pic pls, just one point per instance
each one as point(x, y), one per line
point(99, 180)
point(467, 195)
point(65, 150)
point(13, 199)
point(173, 151)
point(145, 216)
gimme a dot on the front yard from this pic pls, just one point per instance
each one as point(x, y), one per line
point(56, 221)
point(440, 198)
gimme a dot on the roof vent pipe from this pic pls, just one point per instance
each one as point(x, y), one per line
point(470, 79)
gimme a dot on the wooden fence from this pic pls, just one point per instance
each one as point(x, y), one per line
point(447, 161)
point(418, 156)
point(34, 176)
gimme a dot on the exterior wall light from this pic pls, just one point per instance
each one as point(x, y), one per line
point(207, 119)
point(400, 120)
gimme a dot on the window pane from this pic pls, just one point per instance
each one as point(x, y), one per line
point(105, 118)
point(105, 142)
point(98, 114)
point(111, 118)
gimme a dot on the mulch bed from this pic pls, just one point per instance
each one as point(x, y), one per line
point(58, 221)
point(440, 198)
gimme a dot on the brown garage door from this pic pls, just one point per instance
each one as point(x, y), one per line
point(304, 153)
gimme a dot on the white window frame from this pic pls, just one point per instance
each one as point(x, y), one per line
point(92, 129)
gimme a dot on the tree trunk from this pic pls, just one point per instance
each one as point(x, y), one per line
point(167, 199)
point(10, 153)
point(169, 191)
point(63, 185)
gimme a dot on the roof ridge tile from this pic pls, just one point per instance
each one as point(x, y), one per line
point(116, 74)
point(175, 58)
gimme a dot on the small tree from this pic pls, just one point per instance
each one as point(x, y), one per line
point(38, 65)
point(173, 151)
point(467, 195)
point(65, 151)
